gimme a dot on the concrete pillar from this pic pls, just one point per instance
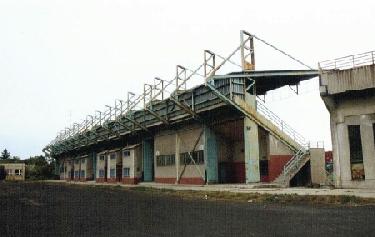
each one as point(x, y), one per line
point(335, 154)
point(211, 155)
point(317, 164)
point(368, 147)
point(343, 153)
point(148, 160)
point(177, 157)
point(94, 164)
point(251, 145)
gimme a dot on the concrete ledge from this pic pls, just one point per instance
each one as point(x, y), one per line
point(126, 180)
point(165, 180)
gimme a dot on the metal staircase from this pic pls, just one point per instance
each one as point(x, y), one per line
point(292, 167)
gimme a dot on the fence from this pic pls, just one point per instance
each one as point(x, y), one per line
point(348, 62)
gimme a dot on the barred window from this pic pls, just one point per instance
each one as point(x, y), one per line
point(112, 173)
point(165, 160)
point(126, 153)
point(101, 173)
point(126, 172)
point(197, 156)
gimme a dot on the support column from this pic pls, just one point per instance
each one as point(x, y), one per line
point(368, 147)
point(148, 160)
point(251, 145)
point(94, 164)
point(211, 155)
point(177, 158)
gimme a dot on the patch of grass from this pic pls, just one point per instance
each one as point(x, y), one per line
point(260, 198)
point(238, 197)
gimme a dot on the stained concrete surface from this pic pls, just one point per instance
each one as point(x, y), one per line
point(47, 209)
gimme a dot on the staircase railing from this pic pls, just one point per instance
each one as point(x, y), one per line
point(296, 161)
point(281, 124)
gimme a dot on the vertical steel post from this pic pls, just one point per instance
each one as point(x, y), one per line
point(247, 38)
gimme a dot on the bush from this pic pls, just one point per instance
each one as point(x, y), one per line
point(39, 168)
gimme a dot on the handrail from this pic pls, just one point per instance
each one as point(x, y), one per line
point(281, 124)
point(348, 62)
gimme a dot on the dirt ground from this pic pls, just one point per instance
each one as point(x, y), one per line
point(47, 209)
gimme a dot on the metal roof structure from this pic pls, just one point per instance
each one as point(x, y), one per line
point(167, 102)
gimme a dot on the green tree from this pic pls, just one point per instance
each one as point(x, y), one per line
point(5, 154)
point(39, 167)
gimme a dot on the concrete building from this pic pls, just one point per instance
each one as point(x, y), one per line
point(214, 132)
point(347, 87)
point(12, 171)
point(132, 164)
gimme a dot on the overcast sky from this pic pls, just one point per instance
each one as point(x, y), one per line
point(62, 60)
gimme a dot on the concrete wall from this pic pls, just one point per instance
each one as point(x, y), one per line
point(112, 164)
point(279, 155)
point(101, 165)
point(174, 143)
point(77, 168)
point(317, 164)
point(68, 168)
point(344, 95)
point(134, 163)
point(356, 79)
point(10, 171)
point(341, 152)
point(231, 158)
point(86, 166)
point(187, 138)
point(165, 144)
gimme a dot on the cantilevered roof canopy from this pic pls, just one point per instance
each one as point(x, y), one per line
point(273, 79)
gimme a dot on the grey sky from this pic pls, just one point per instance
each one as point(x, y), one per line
point(61, 60)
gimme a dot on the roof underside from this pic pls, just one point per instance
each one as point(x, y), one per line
point(273, 79)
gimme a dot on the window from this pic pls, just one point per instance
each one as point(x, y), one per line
point(82, 173)
point(18, 172)
point(101, 157)
point(165, 160)
point(9, 172)
point(112, 173)
point(76, 174)
point(126, 153)
point(112, 156)
point(76, 162)
point(126, 172)
point(187, 159)
point(83, 161)
point(356, 156)
point(101, 173)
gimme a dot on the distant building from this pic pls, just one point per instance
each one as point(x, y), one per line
point(12, 171)
point(347, 87)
